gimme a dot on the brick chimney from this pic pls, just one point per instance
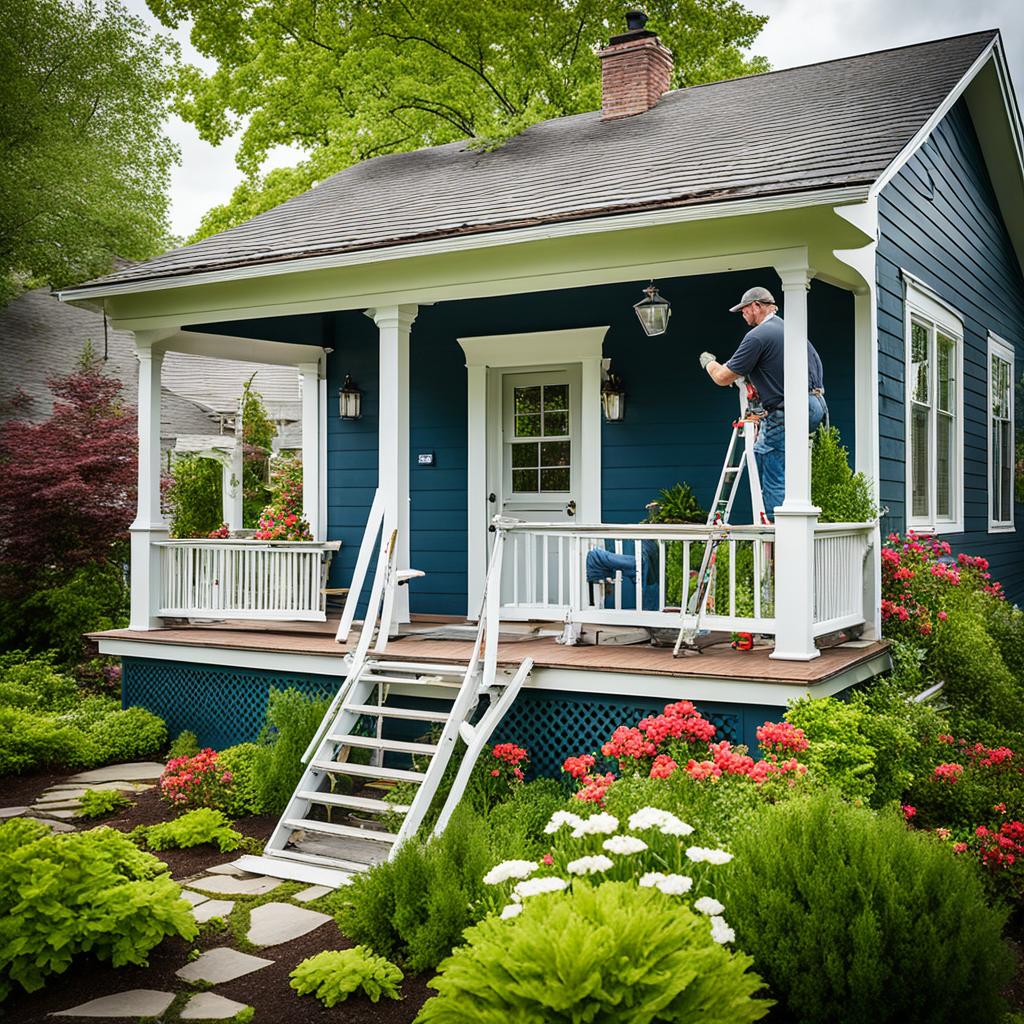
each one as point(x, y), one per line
point(635, 70)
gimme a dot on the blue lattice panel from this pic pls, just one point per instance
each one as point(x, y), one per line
point(220, 704)
point(552, 726)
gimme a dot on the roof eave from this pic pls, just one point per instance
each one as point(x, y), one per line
point(749, 206)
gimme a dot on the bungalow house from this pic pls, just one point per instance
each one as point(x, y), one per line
point(475, 301)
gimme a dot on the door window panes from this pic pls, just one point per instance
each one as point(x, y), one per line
point(541, 447)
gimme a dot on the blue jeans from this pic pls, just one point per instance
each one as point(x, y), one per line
point(603, 564)
point(770, 451)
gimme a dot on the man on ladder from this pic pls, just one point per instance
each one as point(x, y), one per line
point(760, 359)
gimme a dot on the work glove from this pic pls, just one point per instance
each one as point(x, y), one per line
point(706, 358)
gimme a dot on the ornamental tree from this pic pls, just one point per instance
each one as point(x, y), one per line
point(69, 482)
point(346, 81)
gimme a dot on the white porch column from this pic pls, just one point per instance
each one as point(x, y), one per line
point(309, 377)
point(395, 325)
point(796, 518)
point(149, 525)
point(232, 468)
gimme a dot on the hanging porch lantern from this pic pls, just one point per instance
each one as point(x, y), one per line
point(350, 400)
point(653, 312)
point(613, 398)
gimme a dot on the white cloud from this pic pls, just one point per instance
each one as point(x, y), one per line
point(798, 32)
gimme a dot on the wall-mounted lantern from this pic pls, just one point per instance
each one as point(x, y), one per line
point(350, 400)
point(613, 397)
point(653, 312)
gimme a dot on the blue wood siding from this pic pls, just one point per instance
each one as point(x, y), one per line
point(940, 221)
point(676, 427)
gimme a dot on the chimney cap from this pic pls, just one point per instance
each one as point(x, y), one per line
point(636, 19)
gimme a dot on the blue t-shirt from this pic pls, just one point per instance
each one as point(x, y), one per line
point(760, 358)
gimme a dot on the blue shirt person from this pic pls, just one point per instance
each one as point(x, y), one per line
point(760, 358)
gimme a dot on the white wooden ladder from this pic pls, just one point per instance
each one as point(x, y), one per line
point(334, 822)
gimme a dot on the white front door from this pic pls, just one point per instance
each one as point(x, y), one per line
point(535, 476)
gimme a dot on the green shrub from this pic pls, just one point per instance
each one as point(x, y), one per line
point(607, 955)
point(852, 918)
point(242, 761)
point(95, 891)
point(332, 976)
point(516, 826)
point(842, 495)
point(185, 744)
point(90, 711)
point(29, 739)
point(129, 734)
point(292, 720)
point(194, 496)
point(34, 682)
point(414, 908)
point(194, 828)
point(1004, 623)
point(94, 803)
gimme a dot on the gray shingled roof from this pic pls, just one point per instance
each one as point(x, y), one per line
point(833, 124)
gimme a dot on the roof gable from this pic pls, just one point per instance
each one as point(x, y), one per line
point(834, 124)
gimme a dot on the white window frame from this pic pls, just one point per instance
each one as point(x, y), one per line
point(921, 302)
point(1004, 350)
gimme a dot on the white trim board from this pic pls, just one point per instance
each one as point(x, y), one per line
point(1004, 350)
point(537, 349)
point(485, 239)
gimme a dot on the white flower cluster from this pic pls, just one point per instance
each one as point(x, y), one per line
point(720, 931)
point(624, 845)
point(589, 865)
point(511, 910)
point(595, 825)
point(560, 819)
point(664, 821)
point(670, 885)
point(708, 905)
point(703, 853)
point(537, 886)
point(509, 869)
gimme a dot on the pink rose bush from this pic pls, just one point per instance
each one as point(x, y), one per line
point(197, 781)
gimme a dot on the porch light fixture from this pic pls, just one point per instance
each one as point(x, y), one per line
point(350, 400)
point(613, 398)
point(653, 312)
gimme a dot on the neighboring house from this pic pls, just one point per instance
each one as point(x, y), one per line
point(473, 297)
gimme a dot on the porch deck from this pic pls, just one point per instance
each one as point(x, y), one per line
point(840, 665)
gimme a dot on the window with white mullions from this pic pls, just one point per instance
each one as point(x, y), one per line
point(541, 445)
point(1001, 434)
point(934, 412)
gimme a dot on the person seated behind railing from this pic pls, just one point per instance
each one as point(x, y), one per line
point(603, 565)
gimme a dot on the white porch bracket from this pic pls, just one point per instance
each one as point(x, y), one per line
point(796, 518)
point(395, 326)
point(149, 526)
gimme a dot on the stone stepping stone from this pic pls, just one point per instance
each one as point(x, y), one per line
point(222, 964)
point(12, 812)
point(210, 1006)
point(55, 813)
point(147, 771)
point(194, 898)
point(236, 886)
point(79, 788)
point(211, 909)
point(56, 805)
point(60, 794)
point(274, 923)
point(56, 826)
point(135, 1003)
point(314, 892)
point(230, 869)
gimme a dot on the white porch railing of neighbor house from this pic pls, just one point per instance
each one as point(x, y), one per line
point(545, 575)
point(244, 579)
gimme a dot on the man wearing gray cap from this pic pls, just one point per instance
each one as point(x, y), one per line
point(760, 359)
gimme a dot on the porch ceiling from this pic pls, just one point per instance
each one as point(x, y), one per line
point(637, 247)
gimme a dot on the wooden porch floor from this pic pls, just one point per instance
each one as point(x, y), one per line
point(718, 661)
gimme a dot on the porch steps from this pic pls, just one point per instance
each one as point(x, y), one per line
point(326, 826)
point(312, 874)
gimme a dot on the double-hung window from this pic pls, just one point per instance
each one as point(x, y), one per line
point(1000, 435)
point(934, 398)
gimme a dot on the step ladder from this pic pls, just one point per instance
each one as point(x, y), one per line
point(334, 824)
point(739, 459)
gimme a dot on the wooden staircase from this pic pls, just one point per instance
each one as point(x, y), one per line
point(336, 822)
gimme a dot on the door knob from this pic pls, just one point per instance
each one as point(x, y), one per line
point(492, 497)
point(570, 509)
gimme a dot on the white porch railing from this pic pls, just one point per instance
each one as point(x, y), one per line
point(545, 575)
point(244, 579)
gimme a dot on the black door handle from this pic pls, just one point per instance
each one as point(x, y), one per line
point(570, 509)
point(492, 497)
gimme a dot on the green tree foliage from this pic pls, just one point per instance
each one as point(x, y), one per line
point(853, 919)
point(195, 496)
point(86, 164)
point(258, 433)
point(346, 81)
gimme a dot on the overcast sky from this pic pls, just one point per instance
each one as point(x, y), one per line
point(798, 32)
